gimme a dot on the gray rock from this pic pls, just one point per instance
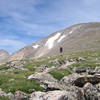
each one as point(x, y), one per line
point(31, 90)
point(90, 92)
point(41, 68)
point(97, 70)
point(80, 69)
point(20, 95)
point(18, 64)
point(56, 62)
point(80, 59)
point(98, 86)
point(9, 95)
point(91, 72)
point(42, 77)
point(71, 94)
point(80, 80)
point(50, 86)
point(68, 80)
point(2, 93)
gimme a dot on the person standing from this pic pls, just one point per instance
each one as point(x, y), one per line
point(61, 50)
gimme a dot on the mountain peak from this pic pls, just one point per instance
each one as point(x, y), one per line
point(74, 38)
point(4, 55)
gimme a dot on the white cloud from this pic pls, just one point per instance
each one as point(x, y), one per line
point(14, 43)
point(11, 45)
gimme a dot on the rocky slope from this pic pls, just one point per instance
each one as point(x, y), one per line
point(64, 77)
point(70, 76)
point(75, 38)
point(4, 55)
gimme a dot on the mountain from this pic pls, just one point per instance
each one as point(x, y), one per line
point(4, 55)
point(78, 37)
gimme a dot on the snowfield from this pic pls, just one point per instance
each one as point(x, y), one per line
point(50, 41)
point(61, 38)
point(35, 46)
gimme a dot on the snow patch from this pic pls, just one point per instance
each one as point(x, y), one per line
point(50, 41)
point(70, 32)
point(35, 46)
point(63, 36)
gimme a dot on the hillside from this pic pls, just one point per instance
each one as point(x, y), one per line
point(66, 77)
point(78, 37)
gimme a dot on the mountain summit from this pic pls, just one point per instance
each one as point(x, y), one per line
point(4, 55)
point(75, 38)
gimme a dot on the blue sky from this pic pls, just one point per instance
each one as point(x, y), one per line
point(23, 22)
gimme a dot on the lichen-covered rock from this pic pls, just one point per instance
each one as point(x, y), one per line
point(90, 92)
point(50, 86)
point(2, 93)
point(68, 80)
point(80, 69)
point(20, 95)
point(9, 95)
point(80, 79)
point(71, 94)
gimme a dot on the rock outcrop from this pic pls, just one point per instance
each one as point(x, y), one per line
point(72, 94)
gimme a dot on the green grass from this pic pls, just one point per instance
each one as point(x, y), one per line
point(20, 82)
point(3, 67)
point(19, 77)
point(31, 66)
point(92, 60)
point(4, 98)
point(60, 73)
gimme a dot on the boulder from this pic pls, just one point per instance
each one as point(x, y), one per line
point(91, 72)
point(97, 70)
point(2, 93)
point(50, 86)
point(80, 59)
point(17, 64)
point(41, 68)
point(98, 86)
point(57, 62)
point(71, 94)
point(80, 69)
point(42, 77)
point(9, 95)
point(90, 92)
point(68, 80)
point(80, 80)
point(19, 95)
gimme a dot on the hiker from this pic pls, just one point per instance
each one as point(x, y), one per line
point(61, 50)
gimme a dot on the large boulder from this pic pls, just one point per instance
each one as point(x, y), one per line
point(42, 77)
point(80, 79)
point(70, 94)
point(90, 92)
point(68, 80)
point(50, 86)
